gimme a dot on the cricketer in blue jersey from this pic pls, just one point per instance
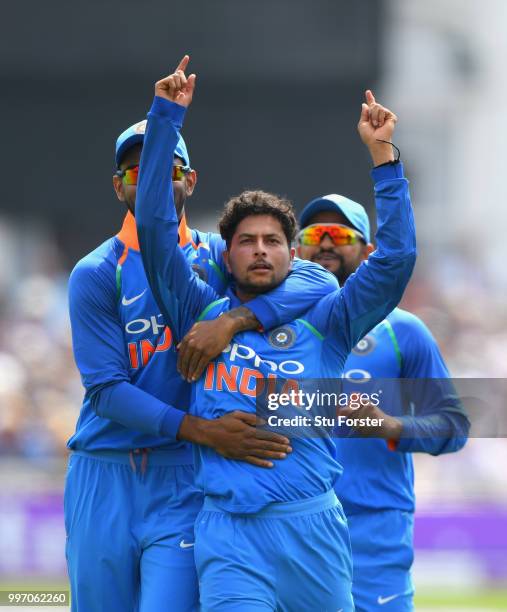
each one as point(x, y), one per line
point(377, 486)
point(130, 496)
point(269, 539)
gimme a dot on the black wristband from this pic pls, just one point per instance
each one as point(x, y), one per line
point(396, 161)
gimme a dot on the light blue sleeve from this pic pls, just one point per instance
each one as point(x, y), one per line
point(377, 286)
point(99, 351)
point(306, 284)
point(180, 294)
point(439, 423)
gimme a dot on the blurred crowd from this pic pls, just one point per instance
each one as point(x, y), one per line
point(41, 392)
point(40, 389)
point(466, 313)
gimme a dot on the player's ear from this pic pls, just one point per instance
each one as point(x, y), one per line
point(190, 181)
point(225, 255)
point(292, 255)
point(118, 188)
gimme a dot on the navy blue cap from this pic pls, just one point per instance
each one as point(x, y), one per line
point(135, 134)
point(354, 212)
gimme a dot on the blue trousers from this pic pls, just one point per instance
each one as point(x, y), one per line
point(290, 557)
point(382, 553)
point(130, 532)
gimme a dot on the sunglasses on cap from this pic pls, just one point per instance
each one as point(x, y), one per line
point(129, 175)
point(341, 235)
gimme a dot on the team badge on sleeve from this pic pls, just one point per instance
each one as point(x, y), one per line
point(282, 338)
point(365, 346)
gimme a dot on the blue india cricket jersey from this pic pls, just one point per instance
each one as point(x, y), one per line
point(319, 342)
point(375, 477)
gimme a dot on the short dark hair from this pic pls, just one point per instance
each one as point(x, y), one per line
point(257, 202)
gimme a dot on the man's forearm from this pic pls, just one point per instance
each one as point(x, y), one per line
point(433, 433)
point(381, 153)
point(240, 319)
point(136, 409)
point(305, 285)
point(196, 430)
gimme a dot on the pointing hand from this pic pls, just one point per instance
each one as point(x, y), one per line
point(376, 123)
point(177, 87)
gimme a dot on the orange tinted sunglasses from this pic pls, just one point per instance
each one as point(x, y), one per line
point(130, 174)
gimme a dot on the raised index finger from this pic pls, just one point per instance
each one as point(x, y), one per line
point(370, 98)
point(183, 63)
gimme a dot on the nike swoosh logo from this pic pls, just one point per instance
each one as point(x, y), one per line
point(127, 302)
point(184, 544)
point(383, 600)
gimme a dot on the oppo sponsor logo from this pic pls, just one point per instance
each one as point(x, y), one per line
point(240, 351)
point(141, 350)
point(139, 326)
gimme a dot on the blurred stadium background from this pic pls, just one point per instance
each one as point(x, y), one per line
point(279, 89)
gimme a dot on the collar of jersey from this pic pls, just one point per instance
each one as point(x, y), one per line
point(128, 233)
point(235, 301)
